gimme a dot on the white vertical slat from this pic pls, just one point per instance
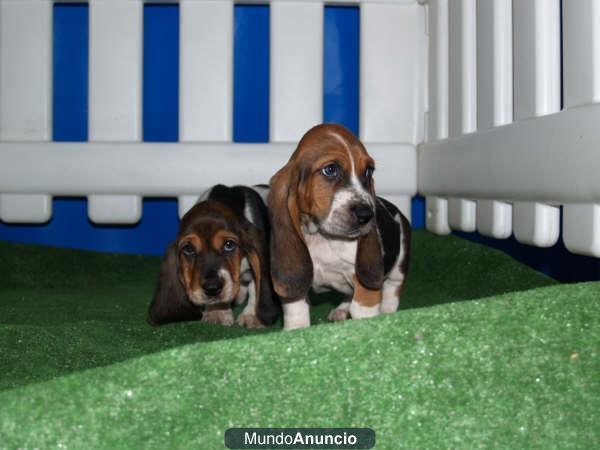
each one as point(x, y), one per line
point(25, 93)
point(536, 57)
point(436, 215)
point(185, 203)
point(581, 228)
point(494, 96)
point(437, 127)
point(206, 70)
point(115, 93)
point(462, 67)
point(581, 52)
point(494, 219)
point(296, 68)
point(25, 208)
point(392, 76)
point(114, 208)
point(494, 63)
point(536, 224)
point(537, 92)
point(462, 214)
point(205, 75)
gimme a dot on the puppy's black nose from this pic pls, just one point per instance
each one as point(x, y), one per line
point(212, 287)
point(362, 212)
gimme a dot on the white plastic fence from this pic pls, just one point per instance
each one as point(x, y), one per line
point(502, 154)
point(479, 80)
point(115, 169)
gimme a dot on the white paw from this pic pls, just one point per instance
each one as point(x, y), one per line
point(338, 314)
point(389, 306)
point(296, 315)
point(363, 312)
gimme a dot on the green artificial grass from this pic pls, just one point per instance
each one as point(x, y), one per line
point(485, 352)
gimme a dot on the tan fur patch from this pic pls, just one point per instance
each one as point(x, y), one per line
point(364, 296)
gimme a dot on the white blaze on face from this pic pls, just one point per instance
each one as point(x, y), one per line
point(226, 293)
point(340, 219)
point(199, 297)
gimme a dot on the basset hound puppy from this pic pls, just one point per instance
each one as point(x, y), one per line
point(220, 258)
point(330, 232)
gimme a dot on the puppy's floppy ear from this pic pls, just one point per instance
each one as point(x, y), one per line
point(369, 260)
point(170, 302)
point(256, 248)
point(291, 266)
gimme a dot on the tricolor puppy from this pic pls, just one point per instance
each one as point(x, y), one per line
point(220, 258)
point(330, 232)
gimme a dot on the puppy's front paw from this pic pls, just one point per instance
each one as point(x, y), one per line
point(249, 321)
point(338, 314)
point(220, 317)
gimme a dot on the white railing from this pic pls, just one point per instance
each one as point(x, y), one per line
point(510, 138)
point(501, 156)
point(115, 169)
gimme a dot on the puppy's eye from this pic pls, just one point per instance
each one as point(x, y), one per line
point(331, 171)
point(369, 172)
point(229, 246)
point(188, 250)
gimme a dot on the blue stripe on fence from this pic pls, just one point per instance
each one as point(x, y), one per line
point(341, 54)
point(251, 74)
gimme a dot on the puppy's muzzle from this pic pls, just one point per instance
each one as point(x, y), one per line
point(212, 287)
point(362, 213)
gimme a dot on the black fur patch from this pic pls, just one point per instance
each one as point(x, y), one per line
point(389, 230)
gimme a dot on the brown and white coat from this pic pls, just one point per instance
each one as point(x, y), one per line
point(330, 232)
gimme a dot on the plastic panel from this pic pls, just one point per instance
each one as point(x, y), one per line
point(494, 219)
point(392, 75)
point(114, 209)
point(581, 47)
point(530, 160)
point(115, 93)
point(536, 224)
point(537, 92)
point(296, 70)
point(184, 168)
point(581, 228)
point(494, 63)
point(25, 208)
point(185, 203)
point(25, 93)
point(206, 70)
point(437, 125)
point(462, 67)
point(436, 215)
point(462, 214)
point(536, 57)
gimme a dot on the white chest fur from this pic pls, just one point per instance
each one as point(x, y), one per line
point(333, 263)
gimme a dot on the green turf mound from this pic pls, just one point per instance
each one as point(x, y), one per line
point(518, 368)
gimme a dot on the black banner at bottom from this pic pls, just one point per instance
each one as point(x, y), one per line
point(299, 438)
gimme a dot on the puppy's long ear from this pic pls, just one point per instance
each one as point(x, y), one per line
point(170, 302)
point(256, 248)
point(291, 266)
point(369, 260)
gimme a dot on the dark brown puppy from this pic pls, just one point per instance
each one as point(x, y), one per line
point(220, 258)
